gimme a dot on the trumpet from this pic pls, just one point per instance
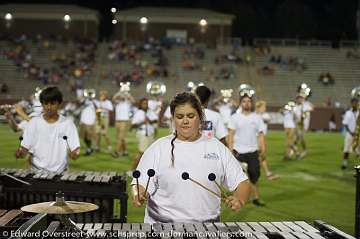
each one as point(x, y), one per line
point(155, 88)
point(226, 94)
point(355, 94)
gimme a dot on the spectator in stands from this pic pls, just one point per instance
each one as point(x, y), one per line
point(4, 88)
point(326, 79)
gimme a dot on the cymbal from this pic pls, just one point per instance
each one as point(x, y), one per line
point(68, 207)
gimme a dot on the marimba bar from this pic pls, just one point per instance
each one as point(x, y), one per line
point(105, 189)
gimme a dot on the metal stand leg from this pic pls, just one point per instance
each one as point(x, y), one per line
point(357, 203)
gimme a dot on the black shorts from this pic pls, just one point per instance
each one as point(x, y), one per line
point(253, 162)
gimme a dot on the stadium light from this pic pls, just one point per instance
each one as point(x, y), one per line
point(67, 18)
point(144, 20)
point(114, 21)
point(203, 22)
point(8, 16)
point(113, 10)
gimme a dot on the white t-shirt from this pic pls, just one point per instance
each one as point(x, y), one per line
point(88, 114)
point(167, 113)
point(266, 119)
point(139, 117)
point(106, 106)
point(289, 122)
point(350, 119)
point(46, 142)
point(214, 125)
point(37, 108)
point(247, 128)
point(23, 124)
point(155, 106)
point(123, 110)
point(305, 107)
point(173, 199)
point(225, 111)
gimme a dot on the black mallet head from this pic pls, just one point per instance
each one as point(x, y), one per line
point(212, 176)
point(185, 176)
point(65, 137)
point(136, 174)
point(151, 172)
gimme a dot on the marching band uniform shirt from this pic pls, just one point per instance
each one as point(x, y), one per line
point(123, 110)
point(106, 105)
point(23, 124)
point(225, 111)
point(173, 199)
point(289, 122)
point(154, 105)
point(139, 117)
point(266, 119)
point(298, 109)
point(247, 128)
point(214, 125)
point(46, 142)
point(350, 119)
point(88, 114)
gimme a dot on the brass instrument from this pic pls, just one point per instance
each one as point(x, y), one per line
point(355, 94)
point(124, 87)
point(89, 93)
point(245, 89)
point(155, 88)
point(226, 94)
point(191, 86)
point(37, 93)
point(289, 106)
point(6, 108)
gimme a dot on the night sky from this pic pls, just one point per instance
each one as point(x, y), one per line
point(303, 19)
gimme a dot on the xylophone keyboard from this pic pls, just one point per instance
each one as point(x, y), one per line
point(105, 189)
point(42, 226)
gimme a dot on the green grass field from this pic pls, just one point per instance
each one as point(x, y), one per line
point(313, 188)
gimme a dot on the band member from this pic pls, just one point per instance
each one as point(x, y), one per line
point(170, 198)
point(289, 127)
point(123, 101)
point(213, 125)
point(225, 107)
point(246, 140)
point(50, 137)
point(302, 112)
point(349, 123)
point(260, 109)
point(30, 108)
point(16, 127)
point(87, 123)
point(154, 105)
point(144, 121)
point(103, 108)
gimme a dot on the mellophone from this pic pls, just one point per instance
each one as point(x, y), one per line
point(14, 223)
point(105, 189)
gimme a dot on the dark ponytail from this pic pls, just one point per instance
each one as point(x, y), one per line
point(172, 149)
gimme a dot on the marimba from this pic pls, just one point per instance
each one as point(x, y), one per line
point(42, 226)
point(105, 189)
